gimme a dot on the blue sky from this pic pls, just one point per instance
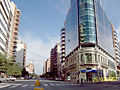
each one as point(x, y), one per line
point(41, 21)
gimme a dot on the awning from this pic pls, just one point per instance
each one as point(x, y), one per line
point(83, 71)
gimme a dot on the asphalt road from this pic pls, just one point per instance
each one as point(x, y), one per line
point(56, 85)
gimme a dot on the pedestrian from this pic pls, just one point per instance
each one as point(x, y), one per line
point(81, 81)
point(78, 81)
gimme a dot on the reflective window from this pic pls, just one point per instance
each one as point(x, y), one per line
point(104, 29)
point(87, 21)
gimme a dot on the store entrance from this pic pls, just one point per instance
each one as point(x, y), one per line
point(89, 75)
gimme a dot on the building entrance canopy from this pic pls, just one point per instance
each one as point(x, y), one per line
point(84, 71)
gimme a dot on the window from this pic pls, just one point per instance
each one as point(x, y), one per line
point(88, 57)
point(82, 59)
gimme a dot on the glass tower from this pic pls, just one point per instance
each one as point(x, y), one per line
point(87, 21)
point(87, 25)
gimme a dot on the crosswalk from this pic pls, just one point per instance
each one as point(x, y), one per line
point(7, 85)
point(11, 86)
point(15, 85)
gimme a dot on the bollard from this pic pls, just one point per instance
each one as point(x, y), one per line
point(37, 84)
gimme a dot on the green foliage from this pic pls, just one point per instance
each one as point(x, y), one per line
point(9, 67)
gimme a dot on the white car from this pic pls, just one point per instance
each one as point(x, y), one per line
point(12, 78)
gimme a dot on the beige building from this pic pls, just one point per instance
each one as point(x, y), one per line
point(30, 68)
point(15, 20)
point(117, 51)
point(46, 67)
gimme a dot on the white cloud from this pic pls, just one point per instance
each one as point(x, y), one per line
point(38, 50)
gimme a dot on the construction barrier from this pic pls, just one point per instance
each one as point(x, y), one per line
point(101, 79)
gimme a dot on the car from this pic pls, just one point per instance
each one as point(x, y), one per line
point(12, 78)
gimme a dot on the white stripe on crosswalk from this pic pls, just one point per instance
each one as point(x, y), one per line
point(5, 86)
point(45, 85)
point(24, 86)
point(52, 84)
point(14, 86)
point(57, 84)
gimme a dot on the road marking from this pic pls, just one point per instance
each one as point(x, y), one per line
point(52, 84)
point(14, 86)
point(32, 85)
point(45, 85)
point(57, 84)
point(5, 86)
point(24, 86)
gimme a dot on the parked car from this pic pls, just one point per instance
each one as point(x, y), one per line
point(12, 78)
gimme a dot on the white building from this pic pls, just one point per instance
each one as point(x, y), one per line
point(21, 53)
point(4, 22)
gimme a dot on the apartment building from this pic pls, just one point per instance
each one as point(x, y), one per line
point(21, 53)
point(89, 45)
point(5, 8)
point(55, 61)
point(62, 53)
point(15, 20)
point(30, 68)
point(9, 24)
point(117, 50)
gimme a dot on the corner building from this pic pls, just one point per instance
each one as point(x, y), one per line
point(89, 42)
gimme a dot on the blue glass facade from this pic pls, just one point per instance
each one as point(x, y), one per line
point(104, 29)
point(87, 21)
point(71, 28)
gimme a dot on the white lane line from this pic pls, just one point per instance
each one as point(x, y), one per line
point(5, 86)
point(52, 84)
point(24, 86)
point(45, 85)
point(14, 86)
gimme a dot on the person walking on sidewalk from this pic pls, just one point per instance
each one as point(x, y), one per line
point(81, 81)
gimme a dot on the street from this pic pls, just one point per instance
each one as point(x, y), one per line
point(55, 85)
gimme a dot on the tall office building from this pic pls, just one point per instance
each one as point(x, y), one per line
point(89, 41)
point(15, 20)
point(55, 60)
point(21, 53)
point(5, 8)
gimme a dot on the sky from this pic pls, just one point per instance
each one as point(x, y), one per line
point(41, 22)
